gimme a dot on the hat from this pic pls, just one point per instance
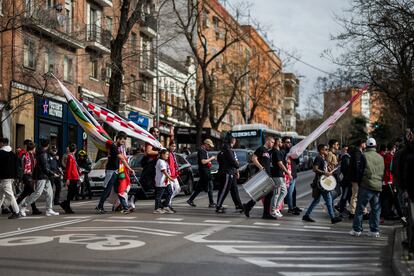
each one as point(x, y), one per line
point(371, 142)
point(209, 142)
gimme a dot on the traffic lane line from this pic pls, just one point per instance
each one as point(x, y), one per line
point(40, 228)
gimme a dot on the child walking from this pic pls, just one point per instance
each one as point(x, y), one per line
point(162, 180)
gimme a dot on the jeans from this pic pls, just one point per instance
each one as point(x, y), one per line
point(43, 186)
point(291, 189)
point(159, 192)
point(364, 196)
point(279, 192)
point(328, 200)
point(110, 179)
point(6, 192)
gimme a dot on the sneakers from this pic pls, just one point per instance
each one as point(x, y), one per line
point(277, 214)
point(307, 218)
point(269, 217)
point(168, 210)
point(336, 220)
point(212, 205)
point(50, 213)
point(15, 216)
point(189, 202)
point(125, 212)
point(355, 233)
point(293, 212)
point(297, 209)
point(23, 211)
point(220, 210)
point(373, 234)
point(403, 220)
point(246, 210)
point(100, 210)
point(159, 211)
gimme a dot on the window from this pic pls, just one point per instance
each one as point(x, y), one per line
point(206, 21)
point(134, 89)
point(93, 67)
point(50, 4)
point(109, 24)
point(108, 72)
point(49, 61)
point(133, 42)
point(29, 7)
point(68, 15)
point(146, 86)
point(28, 54)
point(94, 22)
point(68, 69)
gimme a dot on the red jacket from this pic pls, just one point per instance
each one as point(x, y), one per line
point(387, 165)
point(172, 162)
point(71, 172)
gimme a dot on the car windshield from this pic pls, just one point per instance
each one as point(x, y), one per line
point(135, 161)
point(101, 164)
point(241, 156)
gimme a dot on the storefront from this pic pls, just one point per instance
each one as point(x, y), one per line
point(54, 121)
point(186, 136)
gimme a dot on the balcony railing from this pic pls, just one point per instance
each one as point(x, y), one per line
point(146, 66)
point(53, 24)
point(149, 25)
point(98, 38)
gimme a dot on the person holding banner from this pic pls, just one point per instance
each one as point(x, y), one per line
point(320, 167)
point(111, 170)
point(261, 159)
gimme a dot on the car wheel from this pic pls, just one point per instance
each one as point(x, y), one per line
point(189, 187)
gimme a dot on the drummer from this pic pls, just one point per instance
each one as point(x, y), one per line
point(261, 159)
point(320, 167)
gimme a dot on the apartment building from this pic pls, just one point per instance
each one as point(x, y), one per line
point(290, 102)
point(70, 39)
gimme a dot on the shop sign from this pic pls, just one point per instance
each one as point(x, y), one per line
point(251, 133)
point(52, 108)
point(138, 119)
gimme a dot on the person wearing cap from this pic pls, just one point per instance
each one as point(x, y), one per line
point(204, 168)
point(85, 164)
point(369, 191)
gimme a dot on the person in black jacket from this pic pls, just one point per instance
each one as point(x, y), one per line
point(357, 166)
point(8, 172)
point(228, 174)
point(345, 183)
point(85, 164)
point(56, 168)
point(42, 175)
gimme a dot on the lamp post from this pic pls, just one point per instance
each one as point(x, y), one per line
point(157, 57)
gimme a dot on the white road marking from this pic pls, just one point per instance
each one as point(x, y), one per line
point(121, 218)
point(317, 227)
point(316, 273)
point(263, 262)
point(32, 217)
point(42, 227)
point(76, 217)
point(266, 224)
point(133, 229)
point(199, 237)
point(170, 219)
point(217, 221)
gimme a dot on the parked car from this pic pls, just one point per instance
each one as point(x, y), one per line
point(97, 175)
point(186, 178)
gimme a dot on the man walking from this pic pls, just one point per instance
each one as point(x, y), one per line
point(204, 168)
point(293, 165)
point(71, 178)
point(369, 191)
point(320, 167)
point(357, 166)
point(42, 175)
point(111, 171)
point(8, 172)
point(262, 160)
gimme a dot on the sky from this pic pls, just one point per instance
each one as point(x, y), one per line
point(303, 27)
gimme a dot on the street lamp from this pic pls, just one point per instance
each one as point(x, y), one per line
point(157, 56)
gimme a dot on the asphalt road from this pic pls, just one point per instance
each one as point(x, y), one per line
point(194, 241)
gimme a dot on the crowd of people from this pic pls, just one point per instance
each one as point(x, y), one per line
point(363, 176)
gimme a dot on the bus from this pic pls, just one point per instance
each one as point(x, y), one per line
point(252, 136)
point(294, 136)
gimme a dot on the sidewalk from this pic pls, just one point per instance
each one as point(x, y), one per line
point(402, 263)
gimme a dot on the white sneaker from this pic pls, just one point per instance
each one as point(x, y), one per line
point(355, 233)
point(168, 210)
point(278, 214)
point(51, 213)
point(159, 211)
point(131, 202)
point(23, 211)
point(373, 234)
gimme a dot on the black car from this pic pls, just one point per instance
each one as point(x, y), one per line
point(186, 178)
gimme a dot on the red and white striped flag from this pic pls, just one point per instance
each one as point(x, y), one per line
point(121, 124)
point(298, 149)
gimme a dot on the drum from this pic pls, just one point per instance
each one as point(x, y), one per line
point(327, 183)
point(259, 185)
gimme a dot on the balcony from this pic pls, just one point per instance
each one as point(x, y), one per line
point(146, 67)
point(53, 24)
point(98, 39)
point(149, 25)
point(104, 3)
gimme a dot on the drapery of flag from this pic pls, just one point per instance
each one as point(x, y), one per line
point(121, 124)
point(298, 149)
point(94, 130)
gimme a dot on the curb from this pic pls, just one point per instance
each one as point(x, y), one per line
point(400, 266)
